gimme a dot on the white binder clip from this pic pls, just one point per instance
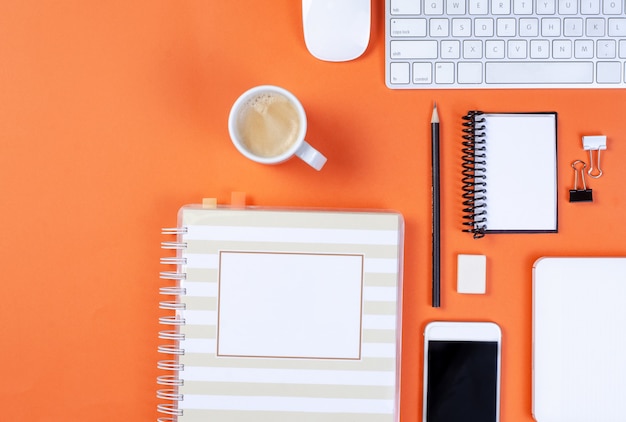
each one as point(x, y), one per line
point(591, 144)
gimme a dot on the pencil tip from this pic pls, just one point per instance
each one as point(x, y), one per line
point(435, 116)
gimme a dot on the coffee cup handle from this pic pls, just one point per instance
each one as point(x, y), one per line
point(311, 156)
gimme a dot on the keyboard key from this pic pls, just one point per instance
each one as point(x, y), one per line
point(546, 7)
point(539, 49)
point(422, 73)
point(568, 7)
point(550, 27)
point(595, 27)
point(500, 7)
point(472, 49)
point(433, 7)
point(590, 7)
point(455, 7)
point(408, 27)
point(607, 49)
point(483, 27)
point(470, 73)
point(583, 49)
point(494, 49)
point(517, 49)
point(528, 27)
point(450, 49)
point(405, 7)
point(609, 72)
point(444, 73)
point(399, 73)
point(562, 49)
point(478, 7)
point(461, 27)
point(612, 7)
point(573, 27)
point(439, 28)
point(552, 73)
point(622, 49)
point(506, 27)
point(422, 49)
point(617, 27)
point(523, 7)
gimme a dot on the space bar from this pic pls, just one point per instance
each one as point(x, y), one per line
point(539, 72)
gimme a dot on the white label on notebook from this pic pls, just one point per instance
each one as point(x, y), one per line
point(303, 305)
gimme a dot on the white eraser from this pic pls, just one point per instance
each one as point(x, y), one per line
point(471, 274)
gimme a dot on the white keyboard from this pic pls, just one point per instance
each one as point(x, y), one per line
point(505, 44)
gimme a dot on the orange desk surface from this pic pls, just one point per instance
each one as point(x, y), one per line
point(113, 115)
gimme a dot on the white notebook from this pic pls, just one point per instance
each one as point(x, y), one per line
point(510, 173)
point(282, 315)
point(579, 340)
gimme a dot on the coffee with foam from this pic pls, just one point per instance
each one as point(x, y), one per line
point(268, 124)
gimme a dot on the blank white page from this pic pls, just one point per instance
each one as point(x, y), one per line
point(521, 172)
point(296, 305)
point(579, 339)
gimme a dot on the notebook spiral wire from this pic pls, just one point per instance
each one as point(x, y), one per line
point(171, 381)
point(474, 179)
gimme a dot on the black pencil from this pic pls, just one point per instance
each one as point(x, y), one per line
point(434, 126)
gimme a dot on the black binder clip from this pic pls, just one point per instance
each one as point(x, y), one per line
point(584, 194)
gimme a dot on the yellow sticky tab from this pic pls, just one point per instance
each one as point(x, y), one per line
point(209, 202)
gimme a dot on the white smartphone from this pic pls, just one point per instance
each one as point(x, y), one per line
point(462, 372)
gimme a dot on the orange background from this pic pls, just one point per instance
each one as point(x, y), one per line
point(113, 115)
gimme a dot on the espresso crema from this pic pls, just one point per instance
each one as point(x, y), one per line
point(268, 124)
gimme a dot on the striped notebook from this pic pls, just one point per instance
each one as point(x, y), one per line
point(282, 315)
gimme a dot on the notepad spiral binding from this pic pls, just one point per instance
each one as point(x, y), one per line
point(474, 179)
point(171, 382)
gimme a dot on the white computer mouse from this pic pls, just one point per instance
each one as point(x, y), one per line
point(336, 30)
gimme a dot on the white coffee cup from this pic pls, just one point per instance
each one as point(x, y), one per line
point(268, 124)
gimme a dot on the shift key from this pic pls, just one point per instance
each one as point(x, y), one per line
point(423, 49)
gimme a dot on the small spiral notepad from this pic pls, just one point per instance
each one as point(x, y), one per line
point(282, 315)
point(509, 173)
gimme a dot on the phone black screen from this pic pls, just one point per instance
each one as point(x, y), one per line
point(462, 381)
